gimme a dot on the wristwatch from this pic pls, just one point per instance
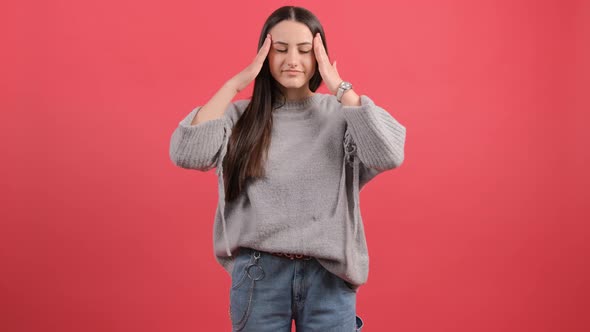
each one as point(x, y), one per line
point(342, 88)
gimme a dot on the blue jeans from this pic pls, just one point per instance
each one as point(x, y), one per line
point(268, 292)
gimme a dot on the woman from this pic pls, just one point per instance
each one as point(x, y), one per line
point(290, 165)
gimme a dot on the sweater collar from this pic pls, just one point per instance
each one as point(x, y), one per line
point(299, 104)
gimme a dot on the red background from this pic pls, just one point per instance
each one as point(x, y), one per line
point(483, 228)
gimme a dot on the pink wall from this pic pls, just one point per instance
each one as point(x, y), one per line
point(483, 227)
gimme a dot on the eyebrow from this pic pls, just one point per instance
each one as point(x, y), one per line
point(283, 43)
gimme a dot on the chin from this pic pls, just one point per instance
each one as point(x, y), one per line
point(291, 85)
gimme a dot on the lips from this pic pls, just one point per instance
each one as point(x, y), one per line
point(292, 71)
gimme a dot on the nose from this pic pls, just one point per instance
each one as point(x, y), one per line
point(292, 58)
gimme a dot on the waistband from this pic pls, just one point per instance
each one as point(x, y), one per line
point(291, 256)
point(283, 254)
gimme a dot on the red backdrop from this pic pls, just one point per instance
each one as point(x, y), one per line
point(483, 227)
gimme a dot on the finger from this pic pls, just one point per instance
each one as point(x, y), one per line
point(317, 49)
point(266, 45)
point(334, 65)
point(320, 51)
point(263, 52)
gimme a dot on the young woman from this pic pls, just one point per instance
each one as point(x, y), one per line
point(290, 164)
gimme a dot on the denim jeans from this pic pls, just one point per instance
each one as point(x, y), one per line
point(268, 292)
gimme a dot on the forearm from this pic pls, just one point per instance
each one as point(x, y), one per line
point(217, 105)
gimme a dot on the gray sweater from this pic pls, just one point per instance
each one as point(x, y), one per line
point(321, 154)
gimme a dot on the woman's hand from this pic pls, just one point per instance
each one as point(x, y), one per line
point(243, 79)
point(328, 71)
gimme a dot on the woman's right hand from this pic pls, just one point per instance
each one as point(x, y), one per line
point(243, 79)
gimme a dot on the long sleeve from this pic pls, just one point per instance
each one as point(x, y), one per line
point(379, 138)
point(198, 146)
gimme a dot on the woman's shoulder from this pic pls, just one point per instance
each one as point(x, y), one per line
point(241, 103)
point(234, 110)
point(328, 105)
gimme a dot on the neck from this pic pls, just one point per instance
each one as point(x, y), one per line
point(297, 94)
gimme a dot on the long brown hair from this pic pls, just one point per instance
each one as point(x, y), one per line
point(250, 139)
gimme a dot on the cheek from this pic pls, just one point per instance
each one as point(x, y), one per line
point(310, 64)
point(273, 63)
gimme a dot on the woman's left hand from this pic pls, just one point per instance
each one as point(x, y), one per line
point(328, 71)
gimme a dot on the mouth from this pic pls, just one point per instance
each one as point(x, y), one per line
point(292, 73)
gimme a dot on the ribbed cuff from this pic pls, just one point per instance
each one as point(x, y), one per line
point(196, 146)
point(379, 137)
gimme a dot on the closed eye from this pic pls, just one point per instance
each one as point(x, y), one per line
point(285, 51)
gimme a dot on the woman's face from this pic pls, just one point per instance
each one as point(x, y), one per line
point(291, 58)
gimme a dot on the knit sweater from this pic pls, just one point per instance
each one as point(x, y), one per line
point(321, 155)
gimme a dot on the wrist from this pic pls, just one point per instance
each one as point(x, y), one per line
point(343, 88)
